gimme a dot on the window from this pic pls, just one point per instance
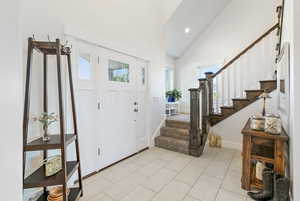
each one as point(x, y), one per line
point(84, 71)
point(169, 79)
point(118, 71)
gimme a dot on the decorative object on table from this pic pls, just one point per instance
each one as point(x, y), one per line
point(281, 188)
point(52, 165)
point(283, 83)
point(61, 141)
point(264, 96)
point(46, 120)
point(173, 95)
point(257, 122)
point(215, 141)
point(273, 124)
point(268, 185)
point(56, 194)
point(259, 170)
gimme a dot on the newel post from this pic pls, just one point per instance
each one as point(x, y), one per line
point(204, 105)
point(195, 138)
point(209, 77)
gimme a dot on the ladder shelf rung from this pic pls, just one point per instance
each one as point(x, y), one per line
point(53, 143)
point(39, 179)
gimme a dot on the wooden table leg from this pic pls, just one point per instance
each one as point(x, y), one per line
point(279, 157)
point(246, 176)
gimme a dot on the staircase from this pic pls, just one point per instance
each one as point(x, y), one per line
point(240, 103)
point(235, 86)
point(175, 135)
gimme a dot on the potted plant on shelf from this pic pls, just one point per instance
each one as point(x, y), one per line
point(173, 95)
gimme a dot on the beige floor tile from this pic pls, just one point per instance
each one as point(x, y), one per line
point(200, 162)
point(162, 175)
point(179, 163)
point(119, 190)
point(150, 169)
point(229, 196)
point(119, 171)
point(101, 197)
point(95, 187)
point(236, 163)
point(232, 182)
point(139, 194)
point(189, 174)
point(217, 169)
point(159, 179)
point(174, 191)
point(189, 198)
point(135, 178)
point(206, 188)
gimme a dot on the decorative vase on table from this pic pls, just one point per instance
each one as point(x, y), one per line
point(173, 95)
point(171, 99)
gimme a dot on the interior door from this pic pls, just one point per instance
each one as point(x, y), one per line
point(141, 96)
point(116, 96)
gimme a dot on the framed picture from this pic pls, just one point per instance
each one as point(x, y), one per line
point(283, 85)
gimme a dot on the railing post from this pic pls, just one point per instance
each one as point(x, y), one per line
point(204, 105)
point(195, 138)
point(209, 77)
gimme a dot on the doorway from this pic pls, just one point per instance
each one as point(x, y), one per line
point(111, 100)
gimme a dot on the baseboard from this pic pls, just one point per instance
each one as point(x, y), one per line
point(157, 132)
point(98, 171)
point(232, 145)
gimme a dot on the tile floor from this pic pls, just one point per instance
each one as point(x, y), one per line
point(162, 175)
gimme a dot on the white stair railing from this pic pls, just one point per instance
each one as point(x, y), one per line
point(255, 63)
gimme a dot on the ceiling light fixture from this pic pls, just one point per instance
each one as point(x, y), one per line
point(187, 30)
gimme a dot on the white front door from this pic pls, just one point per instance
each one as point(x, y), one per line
point(116, 83)
point(111, 91)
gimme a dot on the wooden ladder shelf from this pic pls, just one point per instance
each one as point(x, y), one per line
point(61, 141)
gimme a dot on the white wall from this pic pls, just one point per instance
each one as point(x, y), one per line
point(290, 31)
point(230, 128)
point(10, 103)
point(134, 27)
point(295, 71)
point(239, 24)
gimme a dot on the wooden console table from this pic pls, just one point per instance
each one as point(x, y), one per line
point(252, 142)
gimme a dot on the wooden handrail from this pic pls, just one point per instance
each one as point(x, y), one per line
point(246, 49)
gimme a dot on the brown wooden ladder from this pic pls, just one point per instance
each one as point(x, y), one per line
point(61, 141)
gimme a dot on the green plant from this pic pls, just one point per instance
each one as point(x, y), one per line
point(175, 93)
point(169, 94)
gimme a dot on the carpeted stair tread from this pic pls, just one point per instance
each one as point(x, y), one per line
point(172, 144)
point(178, 133)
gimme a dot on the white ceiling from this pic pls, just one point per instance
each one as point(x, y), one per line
point(194, 14)
point(166, 8)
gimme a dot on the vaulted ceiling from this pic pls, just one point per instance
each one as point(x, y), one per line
point(188, 21)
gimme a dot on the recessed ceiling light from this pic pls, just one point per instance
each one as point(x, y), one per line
point(187, 30)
